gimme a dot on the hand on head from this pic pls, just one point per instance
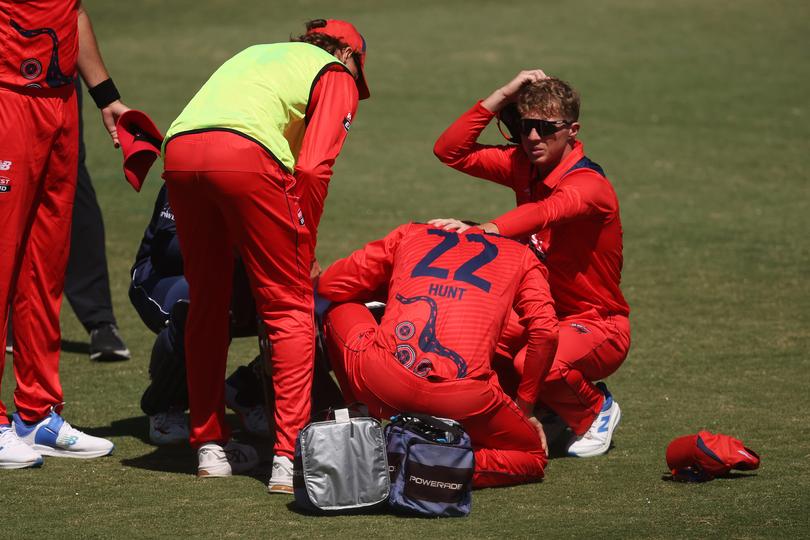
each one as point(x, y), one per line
point(510, 90)
point(508, 93)
point(449, 224)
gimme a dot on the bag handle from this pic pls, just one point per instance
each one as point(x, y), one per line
point(434, 422)
point(356, 410)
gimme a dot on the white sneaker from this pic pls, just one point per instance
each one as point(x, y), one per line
point(253, 418)
point(14, 453)
point(281, 481)
point(216, 461)
point(53, 436)
point(596, 440)
point(168, 427)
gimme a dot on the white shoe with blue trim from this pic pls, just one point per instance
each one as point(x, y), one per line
point(596, 441)
point(15, 454)
point(53, 436)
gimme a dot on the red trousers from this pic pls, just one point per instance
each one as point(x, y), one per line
point(590, 348)
point(219, 210)
point(507, 447)
point(39, 148)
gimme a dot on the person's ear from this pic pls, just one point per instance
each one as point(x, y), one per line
point(344, 54)
point(573, 130)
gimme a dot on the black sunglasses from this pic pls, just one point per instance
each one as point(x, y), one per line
point(544, 128)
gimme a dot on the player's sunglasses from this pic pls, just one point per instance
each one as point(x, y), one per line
point(544, 128)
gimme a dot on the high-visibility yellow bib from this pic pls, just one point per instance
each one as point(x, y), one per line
point(261, 93)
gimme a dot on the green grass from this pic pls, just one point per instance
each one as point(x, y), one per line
point(698, 111)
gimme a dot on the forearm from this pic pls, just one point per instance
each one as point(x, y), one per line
point(459, 139)
point(332, 109)
point(496, 101)
point(577, 198)
point(361, 275)
point(535, 308)
point(458, 148)
point(519, 222)
point(540, 353)
point(91, 65)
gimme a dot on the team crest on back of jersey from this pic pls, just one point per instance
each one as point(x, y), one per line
point(406, 355)
point(405, 330)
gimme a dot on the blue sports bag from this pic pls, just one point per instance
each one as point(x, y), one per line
point(431, 465)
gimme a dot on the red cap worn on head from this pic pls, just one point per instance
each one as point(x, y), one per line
point(348, 34)
point(140, 141)
point(707, 455)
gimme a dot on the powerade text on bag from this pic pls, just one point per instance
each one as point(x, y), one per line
point(340, 465)
point(431, 463)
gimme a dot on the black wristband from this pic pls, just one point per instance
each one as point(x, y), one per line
point(104, 93)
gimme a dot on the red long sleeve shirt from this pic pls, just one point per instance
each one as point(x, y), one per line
point(572, 214)
point(448, 298)
point(331, 110)
point(39, 43)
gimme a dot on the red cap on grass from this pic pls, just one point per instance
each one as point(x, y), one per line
point(348, 34)
point(140, 141)
point(706, 455)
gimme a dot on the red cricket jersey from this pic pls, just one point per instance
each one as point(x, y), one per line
point(572, 214)
point(448, 297)
point(39, 40)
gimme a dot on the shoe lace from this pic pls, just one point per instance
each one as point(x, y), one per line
point(282, 466)
point(594, 429)
point(69, 431)
point(9, 438)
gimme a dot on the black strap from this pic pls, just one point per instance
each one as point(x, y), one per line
point(432, 422)
point(104, 93)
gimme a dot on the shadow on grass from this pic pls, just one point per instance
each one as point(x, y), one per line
point(174, 459)
point(668, 477)
point(75, 347)
point(136, 427)
point(382, 509)
point(180, 458)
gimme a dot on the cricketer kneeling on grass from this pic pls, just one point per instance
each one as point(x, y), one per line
point(569, 210)
point(448, 297)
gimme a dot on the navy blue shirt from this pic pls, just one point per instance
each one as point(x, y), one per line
point(160, 246)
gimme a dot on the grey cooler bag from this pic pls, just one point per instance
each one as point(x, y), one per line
point(341, 465)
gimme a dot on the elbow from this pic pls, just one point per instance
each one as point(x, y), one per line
point(442, 152)
point(549, 335)
point(305, 173)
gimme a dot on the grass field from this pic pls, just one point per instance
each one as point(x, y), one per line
point(700, 114)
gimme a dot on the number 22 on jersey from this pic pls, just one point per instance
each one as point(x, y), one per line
point(466, 272)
